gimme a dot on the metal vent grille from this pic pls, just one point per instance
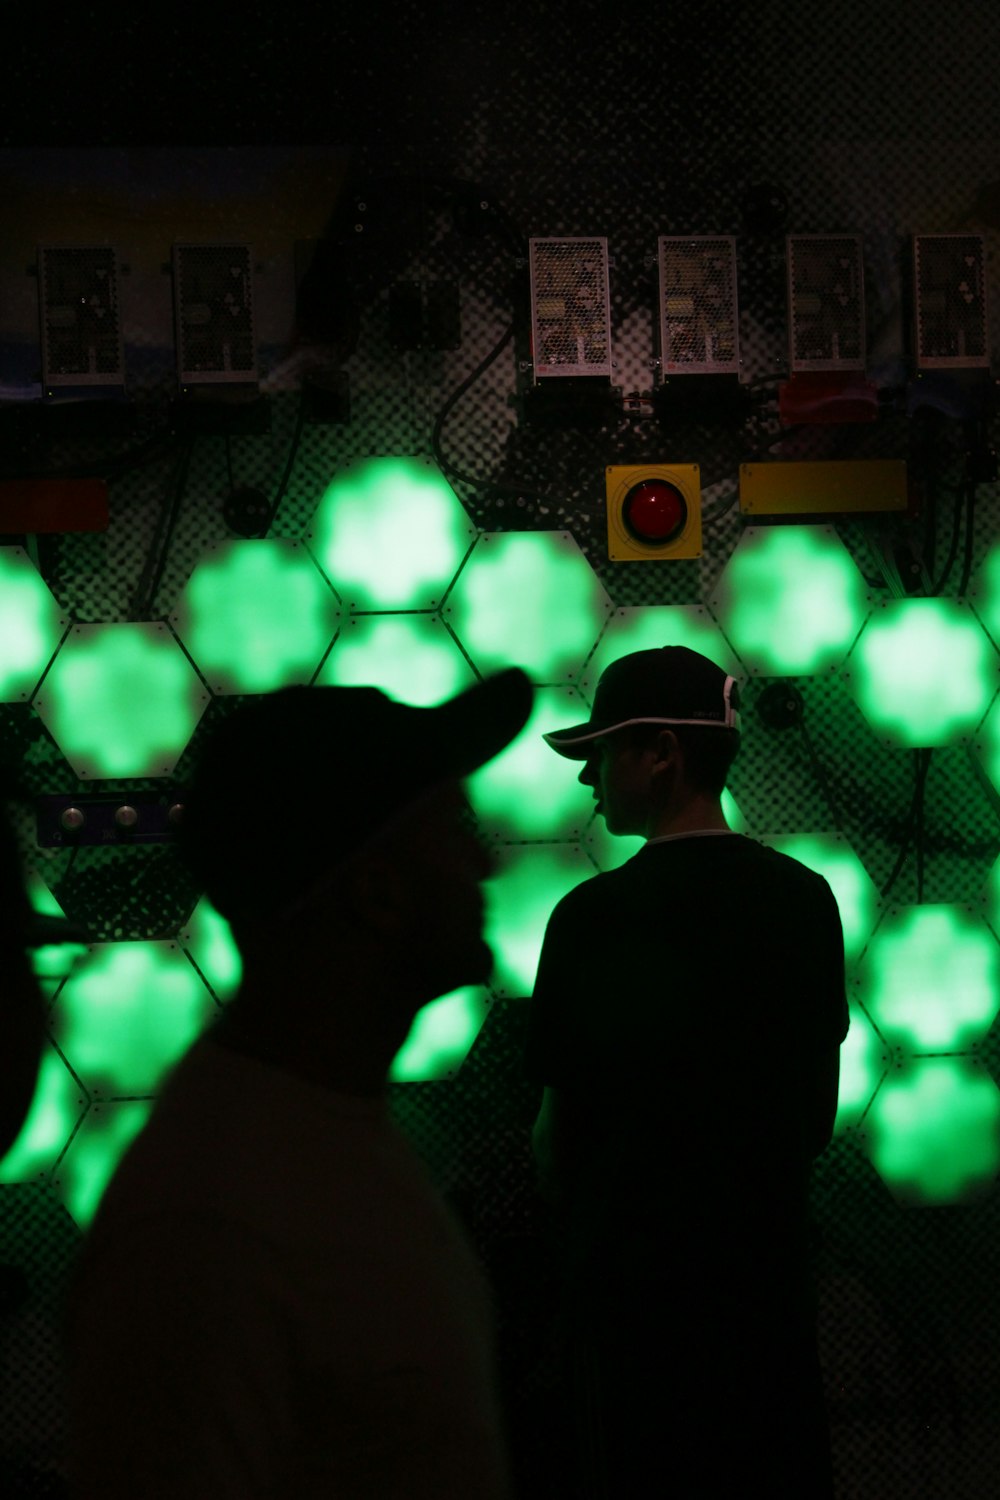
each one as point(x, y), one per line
point(570, 307)
point(826, 302)
point(949, 275)
point(80, 322)
point(698, 311)
point(213, 304)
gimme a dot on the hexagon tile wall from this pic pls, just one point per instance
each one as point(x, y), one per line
point(395, 586)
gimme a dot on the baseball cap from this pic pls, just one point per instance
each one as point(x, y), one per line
point(293, 782)
point(664, 685)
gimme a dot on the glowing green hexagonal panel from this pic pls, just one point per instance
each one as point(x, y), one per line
point(128, 1013)
point(528, 791)
point(31, 625)
point(51, 962)
point(94, 1153)
point(609, 850)
point(390, 533)
point(642, 629)
point(412, 657)
point(831, 856)
point(529, 882)
point(933, 1131)
point(929, 978)
point(55, 1110)
point(528, 599)
point(121, 700)
point(985, 593)
point(441, 1036)
point(862, 1065)
point(791, 599)
point(256, 615)
point(209, 940)
point(923, 672)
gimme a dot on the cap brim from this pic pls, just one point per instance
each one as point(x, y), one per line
point(575, 743)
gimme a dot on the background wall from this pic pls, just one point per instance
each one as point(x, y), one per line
point(462, 132)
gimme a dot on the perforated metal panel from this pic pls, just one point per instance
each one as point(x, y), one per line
point(214, 314)
point(699, 317)
point(826, 302)
point(950, 301)
point(80, 321)
point(570, 307)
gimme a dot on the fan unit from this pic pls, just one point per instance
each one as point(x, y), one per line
point(214, 311)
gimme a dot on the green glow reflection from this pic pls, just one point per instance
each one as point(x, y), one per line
point(528, 791)
point(95, 1152)
point(923, 671)
point(529, 598)
point(521, 898)
point(55, 1109)
point(128, 1013)
point(931, 977)
point(390, 533)
point(791, 599)
point(121, 700)
point(53, 961)
point(657, 625)
point(411, 657)
point(861, 1066)
point(833, 858)
point(209, 940)
point(257, 615)
point(441, 1037)
point(30, 625)
point(935, 1130)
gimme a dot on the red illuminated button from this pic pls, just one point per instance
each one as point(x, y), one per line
point(655, 511)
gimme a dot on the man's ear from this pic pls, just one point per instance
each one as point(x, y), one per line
point(668, 746)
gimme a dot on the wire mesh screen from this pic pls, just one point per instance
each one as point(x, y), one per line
point(826, 303)
point(570, 312)
point(950, 301)
point(213, 290)
point(81, 324)
point(699, 317)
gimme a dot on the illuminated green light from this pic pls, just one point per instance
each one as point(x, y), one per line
point(609, 850)
point(30, 624)
point(121, 700)
point(390, 533)
point(209, 940)
point(441, 1037)
point(529, 792)
point(934, 1130)
point(832, 857)
point(986, 593)
point(642, 629)
point(256, 615)
point(128, 1013)
point(55, 1110)
point(790, 599)
point(529, 599)
point(862, 1063)
point(95, 1152)
point(930, 978)
point(412, 657)
point(923, 671)
point(986, 747)
point(530, 882)
point(52, 961)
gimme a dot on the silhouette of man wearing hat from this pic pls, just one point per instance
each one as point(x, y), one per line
point(686, 1024)
point(273, 1300)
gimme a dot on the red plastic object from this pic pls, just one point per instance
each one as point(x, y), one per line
point(827, 398)
point(53, 505)
point(654, 511)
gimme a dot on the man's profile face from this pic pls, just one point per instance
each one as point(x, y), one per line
point(617, 770)
point(445, 866)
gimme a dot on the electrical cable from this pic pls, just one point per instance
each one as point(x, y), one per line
point(293, 451)
point(952, 547)
point(156, 559)
point(819, 772)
